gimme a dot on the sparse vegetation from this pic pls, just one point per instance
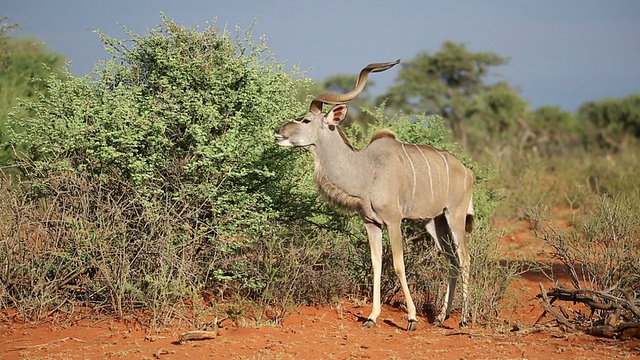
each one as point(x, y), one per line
point(600, 254)
point(599, 249)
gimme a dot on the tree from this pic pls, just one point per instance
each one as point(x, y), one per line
point(444, 83)
point(24, 64)
point(5, 27)
point(549, 130)
point(614, 120)
point(497, 114)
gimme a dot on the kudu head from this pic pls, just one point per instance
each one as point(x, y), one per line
point(306, 130)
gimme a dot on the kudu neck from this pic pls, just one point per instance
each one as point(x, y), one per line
point(341, 163)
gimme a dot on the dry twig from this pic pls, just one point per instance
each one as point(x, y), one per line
point(578, 295)
point(40, 346)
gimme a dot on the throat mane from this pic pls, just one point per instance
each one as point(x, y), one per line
point(334, 194)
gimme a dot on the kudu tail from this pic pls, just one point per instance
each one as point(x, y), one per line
point(468, 224)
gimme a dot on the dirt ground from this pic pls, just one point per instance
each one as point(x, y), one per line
point(334, 332)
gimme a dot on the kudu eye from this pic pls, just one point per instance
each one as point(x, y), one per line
point(305, 121)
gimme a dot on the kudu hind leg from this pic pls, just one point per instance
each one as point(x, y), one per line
point(439, 230)
point(457, 226)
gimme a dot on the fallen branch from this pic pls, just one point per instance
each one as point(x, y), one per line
point(544, 313)
point(576, 295)
point(197, 335)
point(624, 331)
point(606, 327)
point(162, 352)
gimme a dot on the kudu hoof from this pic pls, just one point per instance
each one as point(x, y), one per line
point(439, 321)
point(413, 325)
point(368, 324)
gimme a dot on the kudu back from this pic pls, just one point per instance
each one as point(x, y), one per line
point(386, 182)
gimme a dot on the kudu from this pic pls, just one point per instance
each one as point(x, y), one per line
point(386, 182)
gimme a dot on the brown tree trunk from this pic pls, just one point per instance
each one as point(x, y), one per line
point(459, 130)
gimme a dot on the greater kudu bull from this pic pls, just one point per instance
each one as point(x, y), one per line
point(386, 182)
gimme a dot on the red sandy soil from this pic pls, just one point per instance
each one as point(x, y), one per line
point(334, 332)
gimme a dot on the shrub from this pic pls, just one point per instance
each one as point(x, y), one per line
point(157, 177)
point(569, 179)
point(601, 251)
point(600, 255)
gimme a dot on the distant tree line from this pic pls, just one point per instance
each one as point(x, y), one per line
point(452, 82)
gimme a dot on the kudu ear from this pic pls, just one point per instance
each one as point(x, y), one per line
point(336, 115)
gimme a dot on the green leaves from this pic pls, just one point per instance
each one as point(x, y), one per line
point(165, 158)
point(178, 125)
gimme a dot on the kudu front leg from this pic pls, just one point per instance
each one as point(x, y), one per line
point(374, 232)
point(395, 237)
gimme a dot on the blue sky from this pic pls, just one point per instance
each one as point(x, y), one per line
point(562, 52)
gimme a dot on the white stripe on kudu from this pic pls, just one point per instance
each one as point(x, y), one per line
point(446, 164)
point(413, 168)
point(428, 169)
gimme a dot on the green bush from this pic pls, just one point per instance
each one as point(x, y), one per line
point(163, 160)
point(613, 123)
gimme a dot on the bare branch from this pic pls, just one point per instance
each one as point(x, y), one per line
point(544, 301)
